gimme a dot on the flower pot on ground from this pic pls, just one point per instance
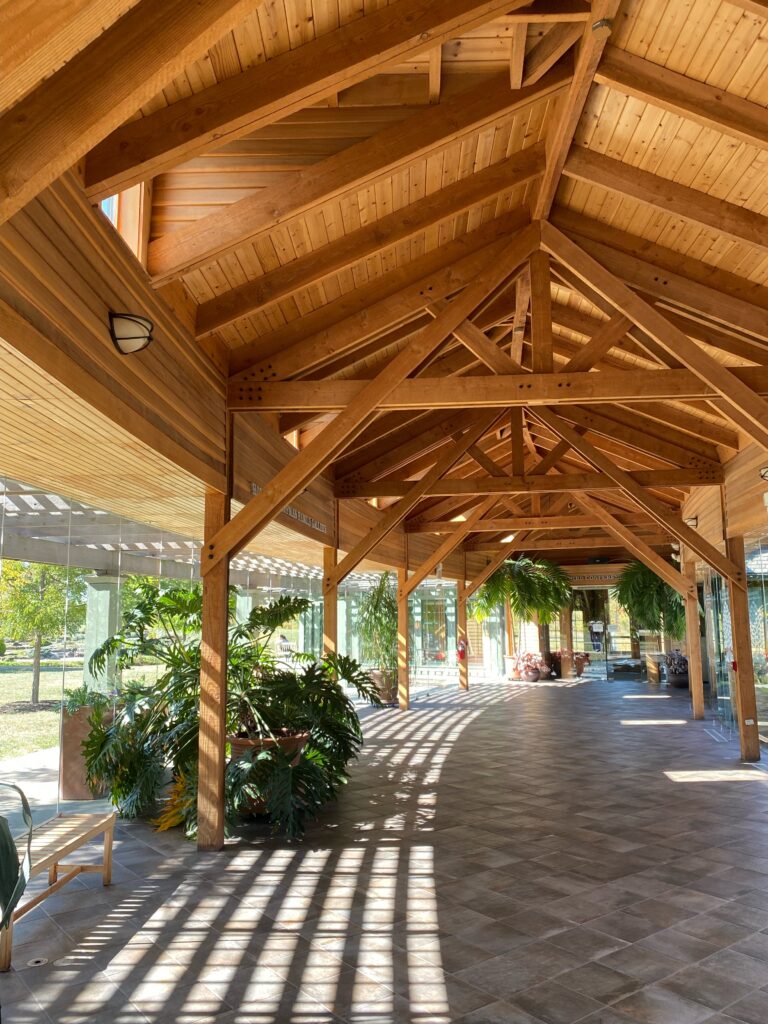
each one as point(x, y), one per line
point(677, 670)
point(580, 661)
point(290, 744)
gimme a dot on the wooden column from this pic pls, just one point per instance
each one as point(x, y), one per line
point(743, 673)
point(566, 643)
point(461, 635)
point(693, 645)
point(213, 686)
point(403, 678)
point(330, 604)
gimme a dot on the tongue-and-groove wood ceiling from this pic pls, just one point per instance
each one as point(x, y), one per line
point(330, 178)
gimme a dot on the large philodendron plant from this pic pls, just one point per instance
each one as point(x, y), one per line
point(650, 602)
point(154, 733)
point(528, 588)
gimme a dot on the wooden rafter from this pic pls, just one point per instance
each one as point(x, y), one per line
point(54, 126)
point(740, 402)
point(427, 132)
point(277, 87)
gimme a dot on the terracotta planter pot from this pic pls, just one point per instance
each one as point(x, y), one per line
point(386, 685)
point(531, 675)
point(293, 744)
point(74, 731)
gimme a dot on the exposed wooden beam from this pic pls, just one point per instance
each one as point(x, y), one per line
point(541, 313)
point(425, 132)
point(566, 116)
point(55, 125)
point(396, 227)
point(311, 461)
point(758, 7)
point(451, 487)
point(697, 101)
point(395, 515)
point(633, 486)
point(598, 346)
point(41, 36)
point(525, 389)
point(517, 41)
point(686, 283)
point(398, 297)
point(548, 51)
point(661, 194)
point(516, 418)
point(435, 73)
point(275, 88)
point(741, 404)
point(493, 565)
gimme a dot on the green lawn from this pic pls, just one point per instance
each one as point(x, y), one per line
point(25, 727)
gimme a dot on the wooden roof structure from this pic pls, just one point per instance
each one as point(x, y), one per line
point(496, 269)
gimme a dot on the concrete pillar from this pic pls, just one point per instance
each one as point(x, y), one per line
point(102, 620)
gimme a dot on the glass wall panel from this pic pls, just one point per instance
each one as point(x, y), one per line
point(719, 650)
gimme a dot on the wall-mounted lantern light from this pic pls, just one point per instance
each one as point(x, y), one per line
point(764, 473)
point(693, 522)
point(130, 332)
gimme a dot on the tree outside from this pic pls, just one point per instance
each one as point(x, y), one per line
point(37, 603)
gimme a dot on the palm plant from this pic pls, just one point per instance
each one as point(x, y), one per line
point(527, 588)
point(377, 624)
point(154, 733)
point(649, 601)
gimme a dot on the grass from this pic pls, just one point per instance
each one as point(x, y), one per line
point(26, 727)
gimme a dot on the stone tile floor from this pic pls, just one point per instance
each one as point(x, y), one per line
point(516, 855)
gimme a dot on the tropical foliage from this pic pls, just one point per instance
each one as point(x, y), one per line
point(154, 734)
point(650, 602)
point(377, 624)
point(529, 588)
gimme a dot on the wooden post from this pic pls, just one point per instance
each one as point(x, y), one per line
point(403, 677)
point(462, 638)
point(213, 686)
point(330, 604)
point(743, 673)
point(693, 646)
point(566, 643)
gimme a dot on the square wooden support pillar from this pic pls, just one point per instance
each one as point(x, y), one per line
point(403, 672)
point(213, 686)
point(566, 644)
point(742, 669)
point(330, 604)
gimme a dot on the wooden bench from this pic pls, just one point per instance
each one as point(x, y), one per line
point(51, 843)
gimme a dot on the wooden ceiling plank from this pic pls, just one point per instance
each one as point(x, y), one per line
point(697, 101)
point(396, 227)
point(659, 193)
point(743, 405)
point(54, 126)
point(317, 455)
point(425, 132)
point(568, 112)
point(275, 88)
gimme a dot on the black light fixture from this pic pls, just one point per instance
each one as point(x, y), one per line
point(764, 473)
point(130, 332)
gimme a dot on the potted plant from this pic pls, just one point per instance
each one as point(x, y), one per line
point(79, 705)
point(300, 727)
point(377, 632)
point(650, 602)
point(532, 667)
point(677, 669)
point(526, 589)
